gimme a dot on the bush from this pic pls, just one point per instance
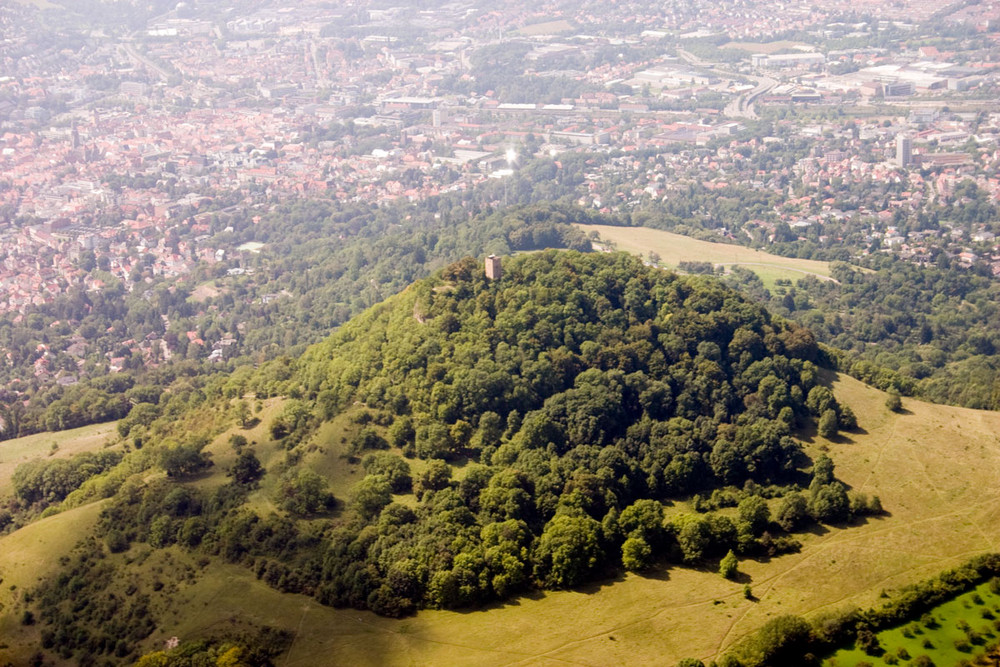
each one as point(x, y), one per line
point(828, 423)
point(847, 419)
point(184, 460)
point(868, 642)
point(247, 468)
point(636, 554)
point(367, 438)
point(728, 566)
point(304, 493)
point(116, 541)
point(390, 466)
point(782, 641)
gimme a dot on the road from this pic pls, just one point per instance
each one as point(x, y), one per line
point(141, 60)
point(742, 106)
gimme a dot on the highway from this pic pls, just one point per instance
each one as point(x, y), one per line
point(742, 106)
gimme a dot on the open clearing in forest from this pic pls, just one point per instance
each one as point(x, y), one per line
point(203, 292)
point(934, 468)
point(676, 248)
point(40, 446)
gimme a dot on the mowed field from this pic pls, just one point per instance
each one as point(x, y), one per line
point(676, 248)
point(934, 468)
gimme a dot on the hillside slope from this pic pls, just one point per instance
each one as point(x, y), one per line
point(466, 442)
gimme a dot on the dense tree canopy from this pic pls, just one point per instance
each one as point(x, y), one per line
point(589, 389)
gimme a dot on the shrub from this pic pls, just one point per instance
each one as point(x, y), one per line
point(727, 568)
point(828, 424)
point(636, 554)
point(868, 642)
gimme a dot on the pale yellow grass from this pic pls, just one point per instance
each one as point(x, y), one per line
point(762, 47)
point(547, 28)
point(39, 446)
point(676, 248)
point(203, 292)
point(40, 4)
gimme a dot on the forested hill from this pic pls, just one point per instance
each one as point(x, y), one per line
point(514, 434)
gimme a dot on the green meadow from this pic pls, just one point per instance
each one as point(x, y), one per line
point(952, 632)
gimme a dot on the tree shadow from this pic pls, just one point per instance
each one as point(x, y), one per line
point(741, 578)
point(533, 594)
point(799, 476)
point(659, 572)
point(806, 434)
point(814, 528)
point(253, 422)
point(587, 588)
point(865, 519)
point(591, 587)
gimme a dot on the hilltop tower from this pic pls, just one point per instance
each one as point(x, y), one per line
point(493, 269)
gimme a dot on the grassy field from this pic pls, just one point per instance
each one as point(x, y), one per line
point(40, 4)
point(203, 292)
point(26, 557)
point(67, 443)
point(546, 28)
point(934, 468)
point(762, 47)
point(940, 639)
point(676, 248)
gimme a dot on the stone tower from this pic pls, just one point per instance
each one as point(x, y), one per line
point(493, 269)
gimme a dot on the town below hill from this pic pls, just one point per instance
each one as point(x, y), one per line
point(165, 156)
